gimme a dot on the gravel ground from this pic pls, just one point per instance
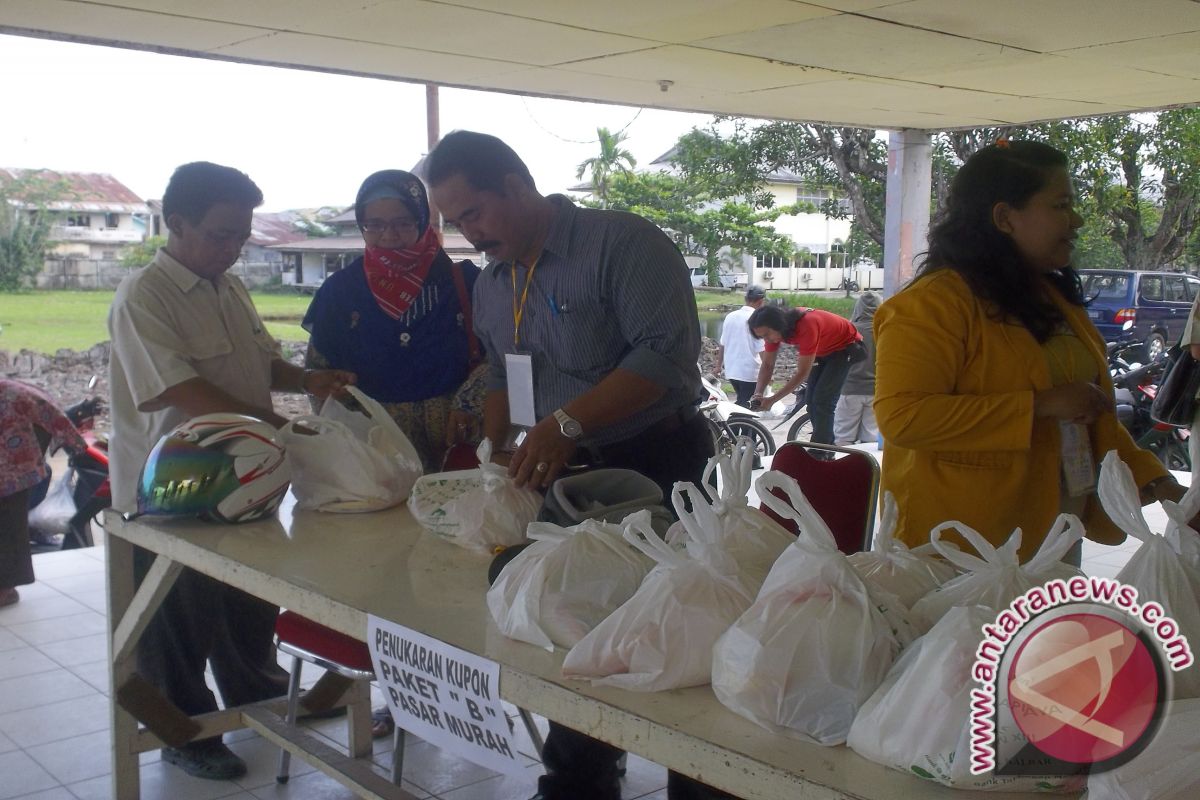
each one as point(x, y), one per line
point(65, 375)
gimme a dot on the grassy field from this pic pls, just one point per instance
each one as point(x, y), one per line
point(47, 321)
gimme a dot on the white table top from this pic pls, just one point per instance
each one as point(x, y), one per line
point(337, 568)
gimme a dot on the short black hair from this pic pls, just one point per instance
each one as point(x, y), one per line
point(196, 187)
point(482, 159)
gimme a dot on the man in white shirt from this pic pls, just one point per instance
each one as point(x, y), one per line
point(187, 341)
point(738, 353)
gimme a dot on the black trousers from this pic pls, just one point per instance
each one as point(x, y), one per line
point(825, 383)
point(744, 390)
point(203, 620)
point(16, 557)
point(579, 767)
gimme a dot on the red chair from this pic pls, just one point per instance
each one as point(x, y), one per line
point(305, 640)
point(842, 484)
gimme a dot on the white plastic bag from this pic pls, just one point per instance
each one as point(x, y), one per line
point(996, 577)
point(1155, 569)
point(53, 515)
point(354, 461)
point(814, 645)
point(565, 583)
point(918, 721)
point(753, 539)
point(663, 636)
point(479, 509)
point(893, 568)
point(1166, 769)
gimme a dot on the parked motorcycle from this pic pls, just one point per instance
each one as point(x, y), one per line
point(1135, 387)
point(86, 476)
point(729, 421)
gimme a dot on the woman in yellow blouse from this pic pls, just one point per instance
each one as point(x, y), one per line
point(992, 389)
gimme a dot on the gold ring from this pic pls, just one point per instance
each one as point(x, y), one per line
point(542, 466)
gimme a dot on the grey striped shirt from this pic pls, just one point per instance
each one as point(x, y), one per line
point(610, 290)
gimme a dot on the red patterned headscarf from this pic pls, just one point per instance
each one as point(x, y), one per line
point(395, 277)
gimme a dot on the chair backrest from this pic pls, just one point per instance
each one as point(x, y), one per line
point(842, 484)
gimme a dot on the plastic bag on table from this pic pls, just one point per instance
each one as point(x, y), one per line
point(892, 567)
point(565, 583)
point(352, 462)
point(1184, 539)
point(663, 636)
point(1155, 569)
point(480, 509)
point(1166, 769)
point(918, 720)
point(52, 516)
point(753, 539)
point(995, 577)
point(816, 642)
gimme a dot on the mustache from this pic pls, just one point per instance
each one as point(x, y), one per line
point(487, 244)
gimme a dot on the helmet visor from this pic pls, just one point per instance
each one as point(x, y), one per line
point(181, 477)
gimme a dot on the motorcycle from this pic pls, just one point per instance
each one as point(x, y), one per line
point(1135, 386)
point(86, 476)
point(730, 421)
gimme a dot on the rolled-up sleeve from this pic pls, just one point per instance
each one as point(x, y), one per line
point(655, 307)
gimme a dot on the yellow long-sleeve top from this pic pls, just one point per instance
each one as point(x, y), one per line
point(954, 392)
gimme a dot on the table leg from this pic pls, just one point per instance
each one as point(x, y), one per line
point(125, 778)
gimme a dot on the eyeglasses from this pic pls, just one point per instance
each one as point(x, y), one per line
point(399, 225)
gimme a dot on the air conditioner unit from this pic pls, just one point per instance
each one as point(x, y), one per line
point(768, 276)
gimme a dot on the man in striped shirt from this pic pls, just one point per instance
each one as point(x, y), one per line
point(602, 305)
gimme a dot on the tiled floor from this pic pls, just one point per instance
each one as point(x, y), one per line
point(54, 737)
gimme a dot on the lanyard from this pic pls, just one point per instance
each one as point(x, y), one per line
point(519, 311)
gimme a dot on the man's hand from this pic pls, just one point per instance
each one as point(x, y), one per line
point(461, 427)
point(324, 382)
point(769, 400)
point(542, 456)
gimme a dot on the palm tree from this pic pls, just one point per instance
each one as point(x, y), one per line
point(612, 158)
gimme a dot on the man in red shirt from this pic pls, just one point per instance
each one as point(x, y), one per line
point(826, 345)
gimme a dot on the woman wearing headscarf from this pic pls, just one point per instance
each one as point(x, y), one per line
point(399, 317)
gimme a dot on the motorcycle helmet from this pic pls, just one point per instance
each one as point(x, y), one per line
point(220, 467)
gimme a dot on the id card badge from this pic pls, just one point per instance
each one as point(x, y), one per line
point(520, 389)
point(1079, 469)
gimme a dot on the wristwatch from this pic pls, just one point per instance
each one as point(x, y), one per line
point(569, 426)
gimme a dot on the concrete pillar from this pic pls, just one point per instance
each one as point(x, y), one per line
point(906, 221)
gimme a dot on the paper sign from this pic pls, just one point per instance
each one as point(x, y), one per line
point(447, 696)
point(519, 367)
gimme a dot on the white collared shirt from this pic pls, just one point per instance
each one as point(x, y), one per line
point(169, 325)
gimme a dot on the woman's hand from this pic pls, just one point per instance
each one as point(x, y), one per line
point(1072, 402)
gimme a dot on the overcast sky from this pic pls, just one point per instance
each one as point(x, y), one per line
point(307, 138)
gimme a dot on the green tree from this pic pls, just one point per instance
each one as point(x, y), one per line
point(611, 160)
point(25, 225)
point(699, 224)
point(1139, 175)
point(140, 254)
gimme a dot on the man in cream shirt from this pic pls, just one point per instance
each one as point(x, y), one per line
point(187, 341)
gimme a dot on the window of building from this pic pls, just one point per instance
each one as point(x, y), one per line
point(817, 196)
point(79, 221)
point(112, 221)
point(772, 262)
point(108, 255)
